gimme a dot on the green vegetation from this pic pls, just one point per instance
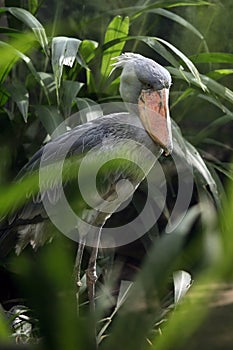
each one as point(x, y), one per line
point(55, 61)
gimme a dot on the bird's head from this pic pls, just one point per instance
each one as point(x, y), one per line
point(146, 84)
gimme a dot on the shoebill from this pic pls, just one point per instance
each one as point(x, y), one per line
point(144, 87)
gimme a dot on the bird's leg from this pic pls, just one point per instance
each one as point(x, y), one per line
point(91, 270)
point(78, 261)
point(77, 267)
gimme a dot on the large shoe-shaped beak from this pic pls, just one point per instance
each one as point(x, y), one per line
point(154, 114)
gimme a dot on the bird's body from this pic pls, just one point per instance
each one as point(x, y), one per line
point(102, 136)
point(146, 127)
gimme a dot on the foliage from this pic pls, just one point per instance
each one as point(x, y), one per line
point(45, 78)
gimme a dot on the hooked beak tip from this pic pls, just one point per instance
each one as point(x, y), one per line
point(168, 150)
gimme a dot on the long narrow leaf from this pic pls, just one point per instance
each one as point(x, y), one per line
point(31, 21)
point(13, 56)
point(138, 10)
point(214, 57)
point(186, 60)
point(219, 73)
point(212, 85)
point(178, 19)
point(118, 28)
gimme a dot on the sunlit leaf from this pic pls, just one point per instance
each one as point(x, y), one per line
point(219, 73)
point(118, 28)
point(87, 49)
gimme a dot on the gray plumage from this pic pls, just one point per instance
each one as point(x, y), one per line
point(103, 135)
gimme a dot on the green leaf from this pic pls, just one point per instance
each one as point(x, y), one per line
point(190, 154)
point(51, 118)
point(33, 6)
point(178, 19)
point(213, 127)
point(160, 49)
point(216, 102)
point(201, 172)
point(138, 10)
point(48, 81)
point(27, 18)
point(186, 60)
point(64, 53)
point(87, 49)
point(182, 96)
point(4, 330)
point(20, 96)
point(118, 28)
point(154, 42)
point(213, 57)
point(70, 90)
point(219, 73)
point(13, 56)
point(212, 85)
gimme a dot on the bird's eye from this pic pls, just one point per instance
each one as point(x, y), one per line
point(148, 86)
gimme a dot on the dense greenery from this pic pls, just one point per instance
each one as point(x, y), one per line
point(56, 60)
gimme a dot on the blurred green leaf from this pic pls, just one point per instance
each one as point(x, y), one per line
point(4, 330)
point(33, 6)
